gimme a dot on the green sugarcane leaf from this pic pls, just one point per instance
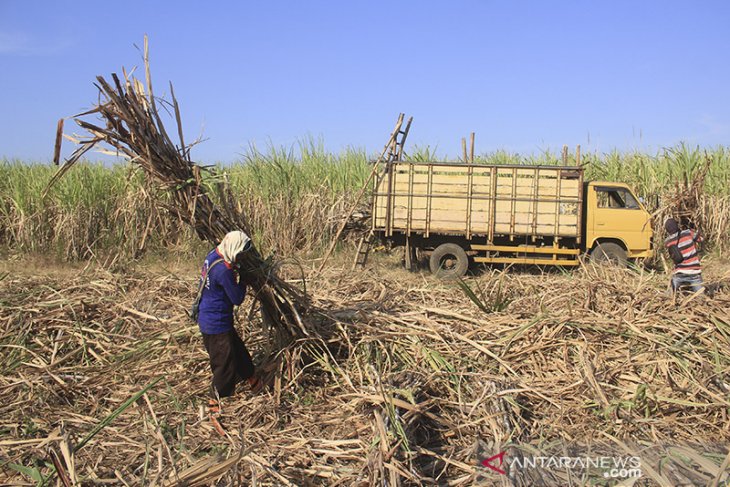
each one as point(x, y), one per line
point(31, 472)
point(473, 297)
point(108, 420)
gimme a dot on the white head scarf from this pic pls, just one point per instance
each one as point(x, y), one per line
point(232, 244)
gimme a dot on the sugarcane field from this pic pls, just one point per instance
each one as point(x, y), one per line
point(387, 315)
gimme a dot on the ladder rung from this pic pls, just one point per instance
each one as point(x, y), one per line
point(363, 249)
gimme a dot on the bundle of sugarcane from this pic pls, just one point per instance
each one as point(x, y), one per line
point(689, 191)
point(133, 128)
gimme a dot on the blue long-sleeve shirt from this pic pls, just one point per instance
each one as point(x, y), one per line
point(221, 293)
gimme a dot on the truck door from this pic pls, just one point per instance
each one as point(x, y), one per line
point(617, 214)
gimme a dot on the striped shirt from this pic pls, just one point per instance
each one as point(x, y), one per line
point(685, 241)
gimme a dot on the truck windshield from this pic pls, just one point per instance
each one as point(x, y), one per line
point(611, 197)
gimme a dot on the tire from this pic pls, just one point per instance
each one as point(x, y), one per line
point(609, 253)
point(448, 261)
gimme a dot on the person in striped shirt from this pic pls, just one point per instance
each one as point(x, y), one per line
point(687, 272)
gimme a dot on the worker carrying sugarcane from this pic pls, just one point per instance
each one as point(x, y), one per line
point(682, 248)
point(221, 288)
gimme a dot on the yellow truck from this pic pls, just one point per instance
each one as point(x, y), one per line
point(506, 214)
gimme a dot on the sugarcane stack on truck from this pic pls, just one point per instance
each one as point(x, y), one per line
point(506, 214)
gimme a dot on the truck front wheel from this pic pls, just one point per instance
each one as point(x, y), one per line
point(609, 253)
point(448, 261)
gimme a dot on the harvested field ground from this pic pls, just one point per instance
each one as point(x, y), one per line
point(410, 383)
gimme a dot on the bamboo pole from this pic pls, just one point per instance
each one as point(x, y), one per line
point(57, 147)
point(391, 141)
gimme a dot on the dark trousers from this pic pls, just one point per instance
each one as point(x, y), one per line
point(229, 361)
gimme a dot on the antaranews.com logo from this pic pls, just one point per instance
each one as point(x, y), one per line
point(612, 467)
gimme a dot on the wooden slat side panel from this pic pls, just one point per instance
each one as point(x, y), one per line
point(439, 195)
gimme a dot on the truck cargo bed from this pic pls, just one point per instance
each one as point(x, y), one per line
point(475, 200)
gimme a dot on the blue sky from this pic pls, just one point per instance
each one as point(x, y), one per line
point(525, 76)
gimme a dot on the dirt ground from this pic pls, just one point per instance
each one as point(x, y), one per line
point(408, 380)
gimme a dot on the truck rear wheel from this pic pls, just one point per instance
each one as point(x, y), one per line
point(448, 261)
point(609, 253)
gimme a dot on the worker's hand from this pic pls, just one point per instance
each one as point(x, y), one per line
point(239, 260)
point(243, 277)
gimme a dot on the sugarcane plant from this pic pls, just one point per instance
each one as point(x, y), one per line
point(129, 123)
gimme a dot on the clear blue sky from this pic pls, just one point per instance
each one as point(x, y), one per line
point(525, 76)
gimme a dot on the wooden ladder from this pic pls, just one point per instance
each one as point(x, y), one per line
point(394, 153)
point(363, 250)
point(394, 150)
point(395, 147)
